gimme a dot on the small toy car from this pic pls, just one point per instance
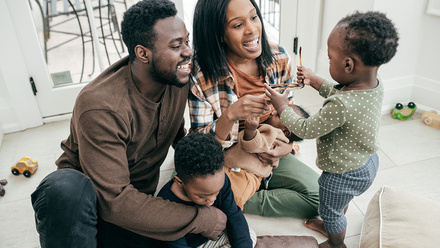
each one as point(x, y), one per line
point(431, 118)
point(26, 165)
point(401, 112)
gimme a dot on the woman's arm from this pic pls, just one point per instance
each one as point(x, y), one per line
point(203, 117)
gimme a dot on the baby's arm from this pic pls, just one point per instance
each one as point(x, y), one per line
point(250, 129)
point(309, 78)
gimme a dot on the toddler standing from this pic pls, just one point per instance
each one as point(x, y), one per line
point(346, 127)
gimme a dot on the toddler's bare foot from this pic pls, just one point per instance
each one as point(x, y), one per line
point(316, 225)
point(327, 244)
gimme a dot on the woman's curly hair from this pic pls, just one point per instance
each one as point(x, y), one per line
point(137, 27)
point(197, 155)
point(370, 35)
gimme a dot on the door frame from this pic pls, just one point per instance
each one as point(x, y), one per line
point(305, 23)
point(49, 103)
point(18, 41)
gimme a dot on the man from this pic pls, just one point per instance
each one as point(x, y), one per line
point(122, 126)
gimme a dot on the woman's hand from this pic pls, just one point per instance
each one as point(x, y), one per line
point(280, 150)
point(247, 107)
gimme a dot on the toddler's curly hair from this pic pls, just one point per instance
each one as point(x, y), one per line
point(370, 35)
point(197, 155)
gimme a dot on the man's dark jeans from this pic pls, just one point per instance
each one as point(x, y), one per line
point(66, 215)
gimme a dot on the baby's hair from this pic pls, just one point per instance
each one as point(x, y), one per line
point(197, 155)
point(371, 35)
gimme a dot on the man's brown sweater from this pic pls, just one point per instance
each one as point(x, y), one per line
point(120, 139)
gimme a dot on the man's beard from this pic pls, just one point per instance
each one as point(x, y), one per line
point(165, 77)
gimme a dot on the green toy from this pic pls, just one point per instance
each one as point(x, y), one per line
point(401, 112)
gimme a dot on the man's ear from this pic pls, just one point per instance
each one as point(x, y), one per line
point(143, 54)
point(177, 180)
point(349, 65)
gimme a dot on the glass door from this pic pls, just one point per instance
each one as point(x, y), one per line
point(78, 39)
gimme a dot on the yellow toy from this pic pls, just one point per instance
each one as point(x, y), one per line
point(26, 165)
point(431, 118)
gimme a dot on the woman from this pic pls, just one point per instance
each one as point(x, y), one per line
point(233, 61)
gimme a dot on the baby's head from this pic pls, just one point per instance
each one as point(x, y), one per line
point(371, 36)
point(275, 121)
point(198, 161)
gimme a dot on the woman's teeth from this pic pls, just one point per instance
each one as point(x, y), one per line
point(251, 44)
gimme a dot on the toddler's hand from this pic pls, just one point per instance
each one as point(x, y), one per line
point(279, 101)
point(252, 123)
point(306, 76)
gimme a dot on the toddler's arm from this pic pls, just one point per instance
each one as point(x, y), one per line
point(309, 78)
point(251, 126)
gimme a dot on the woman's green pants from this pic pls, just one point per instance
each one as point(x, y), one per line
point(292, 192)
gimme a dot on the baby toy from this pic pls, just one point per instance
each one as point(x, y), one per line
point(3, 182)
point(431, 118)
point(26, 165)
point(401, 112)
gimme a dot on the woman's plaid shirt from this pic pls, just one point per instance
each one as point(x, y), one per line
point(207, 101)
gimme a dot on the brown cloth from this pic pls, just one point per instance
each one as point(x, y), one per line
point(286, 242)
point(244, 154)
point(247, 181)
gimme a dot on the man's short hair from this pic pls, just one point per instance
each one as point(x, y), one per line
point(137, 27)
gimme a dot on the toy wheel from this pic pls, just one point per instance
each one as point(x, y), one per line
point(428, 121)
point(411, 105)
point(399, 116)
point(27, 174)
point(399, 106)
point(15, 172)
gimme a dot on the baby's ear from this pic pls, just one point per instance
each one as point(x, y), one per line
point(349, 65)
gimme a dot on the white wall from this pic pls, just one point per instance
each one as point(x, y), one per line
point(414, 73)
point(426, 87)
point(5, 105)
point(332, 12)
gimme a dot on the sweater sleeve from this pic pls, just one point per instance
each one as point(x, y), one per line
point(102, 155)
point(236, 226)
point(258, 144)
point(328, 118)
point(327, 89)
